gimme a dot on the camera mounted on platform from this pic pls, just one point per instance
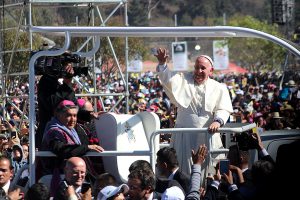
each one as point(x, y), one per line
point(54, 65)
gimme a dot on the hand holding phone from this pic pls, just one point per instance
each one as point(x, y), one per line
point(13, 134)
point(85, 187)
point(224, 166)
point(65, 184)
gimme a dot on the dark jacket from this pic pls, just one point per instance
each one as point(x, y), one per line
point(183, 179)
point(57, 141)
point(50, 94)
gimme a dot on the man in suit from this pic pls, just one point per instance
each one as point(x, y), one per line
point(6, 174)
point(162, 183)
point(167, 166)
point(201, 102)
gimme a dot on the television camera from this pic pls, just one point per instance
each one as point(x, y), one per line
point(54, 65)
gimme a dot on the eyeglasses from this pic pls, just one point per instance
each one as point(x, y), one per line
point(76, 173)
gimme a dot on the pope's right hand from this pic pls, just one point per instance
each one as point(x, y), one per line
point(161, 56)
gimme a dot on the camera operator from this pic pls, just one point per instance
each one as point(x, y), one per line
point(50, 93)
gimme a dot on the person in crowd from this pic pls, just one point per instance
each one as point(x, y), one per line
point(60, 134)
point(17, 157)
point(50, 92)
point(62, 139)
point(7, 191)
point(141, 185)
point(111, 192)
point(38, 191)
point(85, 128)
point(6, 175)
point(262, 176)
point(198, 158)
point(275, 122)
point(162, 183)
point(201, 102)
point(3, 140)
point(173, 193)
point(239, 165)
point(5, 149)
point(25, 148)
point(102, 181)
point(85, 118)
point(167, 165)
point(140, 164)
point(75, 172)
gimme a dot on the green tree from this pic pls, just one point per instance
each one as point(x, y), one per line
point(137, 13)
point(255, 54)
point(20, 39)
point(108, 65)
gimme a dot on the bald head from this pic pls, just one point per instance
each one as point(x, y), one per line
point(88, 106)
point(75, 161)
point(75, 171)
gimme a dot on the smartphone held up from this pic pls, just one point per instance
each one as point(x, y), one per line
point(224, 166)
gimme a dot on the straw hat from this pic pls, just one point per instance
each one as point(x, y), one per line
point(286, 107)
point(291, 83)
point(276, 115)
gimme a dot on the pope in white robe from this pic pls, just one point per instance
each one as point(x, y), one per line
point(201, 102)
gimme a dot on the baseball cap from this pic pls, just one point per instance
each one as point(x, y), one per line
point(110, 191)
point(173, 193)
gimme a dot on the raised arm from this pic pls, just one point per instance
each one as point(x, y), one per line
point(161, 56)
point(198, 159)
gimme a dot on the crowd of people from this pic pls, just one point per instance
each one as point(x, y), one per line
point(65, 127)
point(240, 182)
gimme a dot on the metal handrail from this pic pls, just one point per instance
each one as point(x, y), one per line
point(95, 154)
point(152, 151)
point(196, 130)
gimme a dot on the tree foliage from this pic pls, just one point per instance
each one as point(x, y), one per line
point(137, 13)
point(20, 39)
point(255, 54)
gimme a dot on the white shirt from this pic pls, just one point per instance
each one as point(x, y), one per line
point(171, 177)
point(6, 187)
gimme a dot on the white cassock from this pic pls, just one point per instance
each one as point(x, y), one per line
point(198, 106)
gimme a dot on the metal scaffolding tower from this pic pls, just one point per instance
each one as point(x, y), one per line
point(24, 21)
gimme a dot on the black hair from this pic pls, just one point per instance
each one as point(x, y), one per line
point(168, 155)
point(263, 171)
point(140, 164)
point(2, 157)
point(38, 191)
point(102, 181)
point(146, 177)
